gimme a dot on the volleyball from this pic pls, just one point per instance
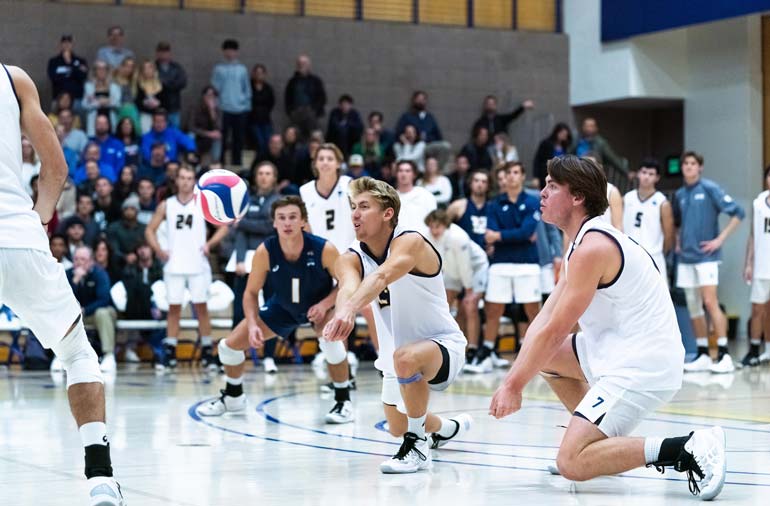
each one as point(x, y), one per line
point(223, 196)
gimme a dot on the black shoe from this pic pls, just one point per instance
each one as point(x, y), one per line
point(208, 360)
point(169, 356)
point(469, 354)
point(481, 355)
point(750, 360)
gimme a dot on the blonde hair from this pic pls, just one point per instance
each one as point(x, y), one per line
point(329, 146)
point(129, 81)
point(151, 86)
point(382, 192)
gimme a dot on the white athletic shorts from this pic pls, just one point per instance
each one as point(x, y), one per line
point(454, 360)
point(616, 411)
point(760, 291)
point(198, 284)
point(518, 283)
point(391, 392)
point(697, 275)
point(478, 283)
point(34, 285)
point(547, 279)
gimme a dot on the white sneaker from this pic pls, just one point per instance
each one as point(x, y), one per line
point(105, 492)
point(707, 447)
point(342, 412)
point(131, 357)
point(269, 364)
point(108, 364)
point(413, 456)
point(464, 422)
point(483, 367)
point(223, 404)
point(57, 365)
point(353, 363)
point(724, 366)
point(319, 361)
point(765, 357)
point(701, 364)
point(499, 363)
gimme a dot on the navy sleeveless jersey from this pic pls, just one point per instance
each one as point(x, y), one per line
point(297, 286)
point(474, 221)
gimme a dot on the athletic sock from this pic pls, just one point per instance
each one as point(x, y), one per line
point(206, 342)
point(341, 391)
point(490, 345)
point(722, 347)
point(703, 345)
point(754, 349)
point(448, 427)
point(670, 449)
point(417, 426)
point(170, 341)
point(652, 449)
point(97, 449)
point(234, 386)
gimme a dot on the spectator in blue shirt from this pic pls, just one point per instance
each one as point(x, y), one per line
point(232, 82)
point(169, 135)
point(154, 167)
point(549, 250)
point(91, 286)
point(514, 271)
point(697, 206)
point(113, 152)
point(93, 153)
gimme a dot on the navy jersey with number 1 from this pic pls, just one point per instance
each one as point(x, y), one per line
point(295, 286)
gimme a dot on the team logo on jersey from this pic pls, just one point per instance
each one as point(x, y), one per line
point(522, 207)
point(310, 263)
point(383, 300)
point(505, 207)
point(699, 196)
point(275, 268)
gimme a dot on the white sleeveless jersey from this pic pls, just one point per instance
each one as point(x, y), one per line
point(607, 216)
point(186, 229)
point(762, 236)
point(418, 305)
point(641, 220)
point(630, 327)
point(415, 206)
point(330, 217)
point(460, 255)
point(19, 225)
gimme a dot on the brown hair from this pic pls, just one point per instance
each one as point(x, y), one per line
point(289, 200)
point(438, 216)
point(585, 178)
point(692, 154)
point(330, 146)
point(381, 191)
point(510, 165)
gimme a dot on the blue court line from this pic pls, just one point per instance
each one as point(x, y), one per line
point(192, 412)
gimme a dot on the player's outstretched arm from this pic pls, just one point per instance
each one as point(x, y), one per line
point(37, 127)
point(260, 265)
point(588, 266)
point(151, 232)
point(347, 270)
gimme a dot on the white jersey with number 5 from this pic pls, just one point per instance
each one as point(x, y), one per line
point(762, 236)
point(19, 225)
point(330, 216)
point(641, 220)
point(186, 237)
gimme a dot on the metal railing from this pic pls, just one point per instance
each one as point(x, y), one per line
point(534, 15)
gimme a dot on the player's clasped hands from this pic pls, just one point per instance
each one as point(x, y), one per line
point(505, 402)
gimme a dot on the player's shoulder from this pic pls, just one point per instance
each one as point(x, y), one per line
point(629, 196)
point(762, 197)
point(709, 185)
point(307, 188)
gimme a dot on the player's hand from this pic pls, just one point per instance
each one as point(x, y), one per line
point(533, 237)
point(240, 269)
point(205, 249)
point(711, 246)
point(748, 273)
point(46, 215)
point(163, 255)
point(340, 326)
point(528, 104)
point(505, 402)
point(256, 338)
point(492, 236)
point(317, 312)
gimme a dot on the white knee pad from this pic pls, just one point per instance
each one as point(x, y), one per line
point(334, 351)
point(229, 356)
point(78, 357)
point(694, 302)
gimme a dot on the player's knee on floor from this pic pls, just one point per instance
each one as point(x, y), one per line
point(570, 467)
point(229, 356)
point(78, 357)
point(334, 351)
point(694, 302)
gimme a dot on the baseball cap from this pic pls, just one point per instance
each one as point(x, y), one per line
point(356, 161)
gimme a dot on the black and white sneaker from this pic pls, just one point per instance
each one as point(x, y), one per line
point(342, 412)
point(328, 388)
point(464, 422)
point(208, 360)
point(750, 360)
point(412, 456)
point(169, 357)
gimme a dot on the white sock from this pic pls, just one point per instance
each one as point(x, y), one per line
point(341, 384)
point(417, 426)
point(702, 342)
point(93, 433)
point(756, 342)
point(490, 345)
point(234, 381)
point(448, 427)
point(722, 341)
point(652, 449)
point(206, 341)
point(170, 341)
